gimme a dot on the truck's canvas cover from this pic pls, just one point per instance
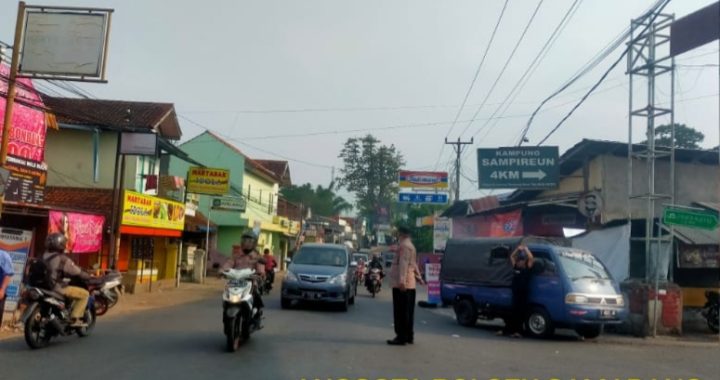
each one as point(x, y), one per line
point(471, 261)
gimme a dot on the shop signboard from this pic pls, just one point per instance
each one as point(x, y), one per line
point(432, 277)
point(442, 231)
point(17, 244)
point(210, 181)
point(142, 210)
point(83, 231)
point(229, 204)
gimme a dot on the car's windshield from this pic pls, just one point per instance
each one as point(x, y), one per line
point(581, 264)
point(321, 256)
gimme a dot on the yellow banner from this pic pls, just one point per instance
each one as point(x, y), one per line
point(148, 211)
point(211, 181)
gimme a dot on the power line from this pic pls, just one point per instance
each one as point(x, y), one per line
point(534, 62)
point(507, 63)
point(612, 67)
point(590, 65)
point(472, 83)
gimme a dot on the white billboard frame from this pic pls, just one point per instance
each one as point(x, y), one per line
point(50, 49)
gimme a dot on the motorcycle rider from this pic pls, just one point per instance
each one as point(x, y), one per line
point(270, 265)
point(375, 262)
point(246, 256)
point(61, 266)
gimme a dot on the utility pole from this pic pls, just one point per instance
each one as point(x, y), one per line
point(458, 147)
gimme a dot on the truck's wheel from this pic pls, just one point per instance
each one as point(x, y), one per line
point(466, 312)
point(539, 323)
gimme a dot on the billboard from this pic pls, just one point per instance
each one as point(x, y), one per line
point(147, 211)
point(425, 180)
point(442, 231)
point(210, 181)
point(64, 42)
point(83, 231)
point(26, 143)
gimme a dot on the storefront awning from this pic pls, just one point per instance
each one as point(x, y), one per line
point(694, 236)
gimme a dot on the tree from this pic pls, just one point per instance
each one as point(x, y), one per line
point(370, 171)
point(422, 236)
point(321, 200)
point(685, 137)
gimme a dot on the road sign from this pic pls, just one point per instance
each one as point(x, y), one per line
point(430, 180)
point(435, 198)
point(518, 167)
point(229, 204)
point(690, 218)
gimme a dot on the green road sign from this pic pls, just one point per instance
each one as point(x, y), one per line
point(690, 218)
point(518, 168)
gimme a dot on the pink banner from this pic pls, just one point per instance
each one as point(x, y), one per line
point(84, 231)
point(490, 225)
point(27, 139)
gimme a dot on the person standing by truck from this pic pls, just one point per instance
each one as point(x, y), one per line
point(522, 261)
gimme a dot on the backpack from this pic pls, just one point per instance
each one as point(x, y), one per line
point(39, 273)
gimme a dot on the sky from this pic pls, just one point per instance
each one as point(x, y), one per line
point(293, 80)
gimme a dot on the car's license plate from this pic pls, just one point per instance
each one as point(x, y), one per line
point(311, 295)
point(606, 313)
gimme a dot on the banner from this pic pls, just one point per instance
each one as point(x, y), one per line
point(17, 244)
point(432, 277)
point(493, 225)
point(442, 231)
point(428, 180)
point(83, 231)
point(26, 145)
point(211, 181)
point(148, 211)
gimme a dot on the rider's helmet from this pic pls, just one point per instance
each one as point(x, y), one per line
point(56, 242)
point(248, 241)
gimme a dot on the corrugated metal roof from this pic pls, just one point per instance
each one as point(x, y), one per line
point(696, 236)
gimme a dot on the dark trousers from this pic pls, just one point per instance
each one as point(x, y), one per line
point(404, 314)
point(514, 323)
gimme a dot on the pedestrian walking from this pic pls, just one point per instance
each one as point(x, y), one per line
point(6, 274)
point(402, 279)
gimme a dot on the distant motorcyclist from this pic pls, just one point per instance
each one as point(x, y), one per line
point(375, 263)
point(245, 256)
point(61, 266)
point(270, 265)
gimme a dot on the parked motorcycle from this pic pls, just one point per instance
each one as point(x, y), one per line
point(108, 293)
point(239, 315)
point(711, 310)
point(374, 281)
point(48, 315)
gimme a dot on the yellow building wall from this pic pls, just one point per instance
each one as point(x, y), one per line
point(575, 183)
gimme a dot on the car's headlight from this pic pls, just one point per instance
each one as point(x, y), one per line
point(621, 301)
point(291, 277)
point(339, 279)
point(573, 298)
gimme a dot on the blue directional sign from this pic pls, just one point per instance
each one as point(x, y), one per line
point(518, 168)
point(436, 198)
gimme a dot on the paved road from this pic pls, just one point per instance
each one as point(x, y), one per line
point(186, 342)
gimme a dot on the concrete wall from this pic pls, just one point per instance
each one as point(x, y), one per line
point(575, 183)
point(694, 182)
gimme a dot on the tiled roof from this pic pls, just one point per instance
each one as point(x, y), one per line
point(97, 201)
point(280, 168)
point(114, 114)
point(197, 223)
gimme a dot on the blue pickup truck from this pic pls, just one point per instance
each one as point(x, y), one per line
point(569, 288)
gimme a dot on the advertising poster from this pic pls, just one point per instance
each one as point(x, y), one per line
point(432, 277)
point(209, 181)
point(16, 243)
point(83, 231)
point(26, 145)
point(147, 211)
point(442, 231)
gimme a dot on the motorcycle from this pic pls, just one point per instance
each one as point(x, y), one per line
point(374, 281)
point(48, 315)
point(268, 283)
point(711, 310)
point(108, 294)
point(240, 318)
